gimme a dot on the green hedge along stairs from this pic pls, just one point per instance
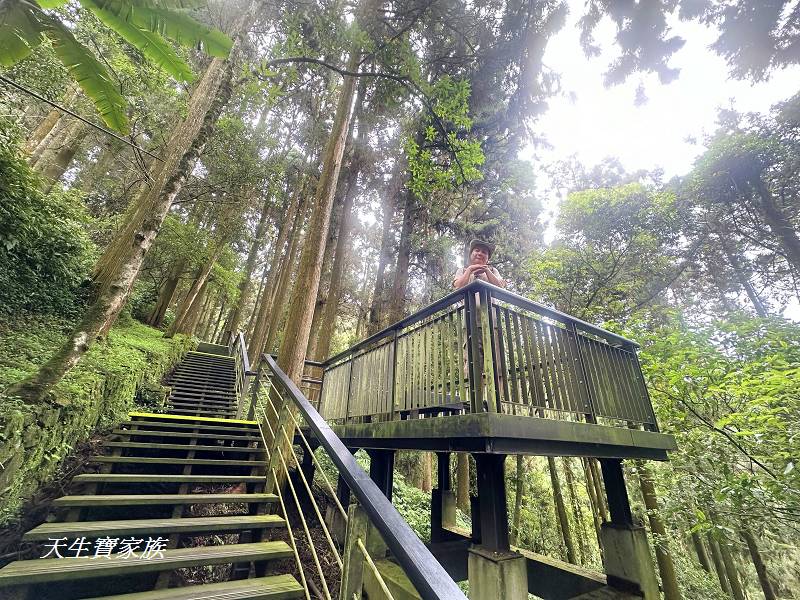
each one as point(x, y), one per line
point(151, 518)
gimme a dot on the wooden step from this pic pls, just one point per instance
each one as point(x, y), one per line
point(176, 479)
point(164, 417)
point(152, 527)
point(146, 460)
point(187, 390)
point(167, 425)
point(201, 412)
point(274, 587)
point(162, 499)
point(193, 398)
point(183, 434)
point(202, 404)
point(86, 567)
point(197, 448)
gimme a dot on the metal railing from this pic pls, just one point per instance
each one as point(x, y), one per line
point(484, 349)
point(372, 526)
point(238, 349)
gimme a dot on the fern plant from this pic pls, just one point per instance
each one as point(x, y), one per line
point(148, 25)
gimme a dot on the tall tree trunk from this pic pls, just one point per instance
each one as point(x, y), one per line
point(398, 298)
point(166, 294)
point(376, 316)
point(730, 571)
point(192, 301)
point(743, 278)
point(426, 484)
point(719, 566)
point(700, 549)
point(291, 356)
point(598, 488)
point(215, 335)
point(666, 568)
point(561, 512)
point(301, 308)
point(188, 139)
point(583, 551)
point(195, 310)
point(519, 492)
point(207, 317)
point(780, 225)
point(259, 337)
point(328, 320)
point(283, 284)
point(235, 316)
point(593, 502)
point(56, 163)
point(462, 482)
point(759, 564)
point(44, 127)
point(251, 323)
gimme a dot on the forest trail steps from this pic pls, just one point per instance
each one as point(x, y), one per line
point(193, 479)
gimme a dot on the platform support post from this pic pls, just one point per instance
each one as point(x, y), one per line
point(381, 470)
point(443, 501)
point(334, 519)
point(492, 506)
point(494, 575)
point(626, 552)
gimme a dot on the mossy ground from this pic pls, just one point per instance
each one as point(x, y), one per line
point(34, 439)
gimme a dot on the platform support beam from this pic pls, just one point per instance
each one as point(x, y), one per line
point(626, 552)
point(381, 470)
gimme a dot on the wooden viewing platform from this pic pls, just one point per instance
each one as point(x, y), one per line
point(485, 370)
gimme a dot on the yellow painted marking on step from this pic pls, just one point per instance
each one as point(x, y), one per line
point(190, 418)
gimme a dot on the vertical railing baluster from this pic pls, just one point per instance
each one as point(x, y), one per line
point(592, 416)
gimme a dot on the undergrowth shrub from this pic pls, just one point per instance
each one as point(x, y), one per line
point(45, 250)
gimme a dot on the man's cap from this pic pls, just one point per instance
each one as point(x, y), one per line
point(476, 242)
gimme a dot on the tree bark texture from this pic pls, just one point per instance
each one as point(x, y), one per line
point(730, 571)
point(166, 294)
point(759, 564)
point(519, 492)
point(235, 316)
point(398, 298)
point(259, 337)
point(780, 225)
point(700, 549)
point(666, 567)
point(719, 567)
point(743, 278)
point(283, 285)
point(295, 341)
point(561, 512)
point(328, 320)
point(462, 482)
point(377, 309)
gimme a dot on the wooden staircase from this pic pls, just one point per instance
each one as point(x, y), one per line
point(188, 486)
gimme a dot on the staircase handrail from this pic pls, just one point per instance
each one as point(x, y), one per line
point(429, 578)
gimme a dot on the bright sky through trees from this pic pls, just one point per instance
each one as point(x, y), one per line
point(602, 122)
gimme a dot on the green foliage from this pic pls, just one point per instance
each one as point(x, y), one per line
point(144, 24)
point(97, 393)
point(446, 157)
point(45, 252)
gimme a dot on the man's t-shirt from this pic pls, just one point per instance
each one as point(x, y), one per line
point(472, 277)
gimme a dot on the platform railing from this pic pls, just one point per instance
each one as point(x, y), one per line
point(346, 565)
point(237, 348)
point(484, 349)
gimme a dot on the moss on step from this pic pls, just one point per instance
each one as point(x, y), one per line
point(126, 367)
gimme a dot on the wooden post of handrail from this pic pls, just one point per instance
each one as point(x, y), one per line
point(392, 375)
point(490, 360)
point(474, 371)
